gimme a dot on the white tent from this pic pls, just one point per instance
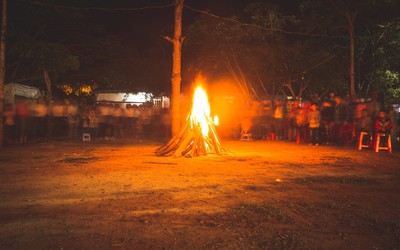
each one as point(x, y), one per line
point(133, 98)
point(138, 98)
point(15, 89)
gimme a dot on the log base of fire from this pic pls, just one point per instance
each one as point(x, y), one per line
point(192, 142)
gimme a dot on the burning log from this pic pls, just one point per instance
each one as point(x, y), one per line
point(198, 136)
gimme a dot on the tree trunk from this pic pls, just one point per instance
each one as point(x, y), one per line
point(344, 8)
point(176, 68)
point(352, 81)
point(2, 66)
point(47, 81)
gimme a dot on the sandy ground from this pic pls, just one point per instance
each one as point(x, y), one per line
point(265, 194)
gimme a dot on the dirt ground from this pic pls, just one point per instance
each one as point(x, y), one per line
point(264, 195)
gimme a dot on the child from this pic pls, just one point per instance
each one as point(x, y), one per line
point(383, 124)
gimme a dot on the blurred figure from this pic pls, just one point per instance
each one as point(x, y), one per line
point(245, 126)
point(341, 117)
point(108, 109)
point(316, 99)
point(364, 123)
point(314, 119)
point(347, 133)
point(41, 119)
point(165, 123)
point(301, 123)
point(117, 121)
point(90, 122)
point(383, 127)
point(146, 115)
point(22, 115)
point(102, 113)
point(327, 119)
point(134, 119)
point(278, 120)
point(292, 112)
point(265, 113)
point(72, 119)
point(58, 118)
point(383, 124)
point(374, 106)
point(9, 124)
point(129, 115)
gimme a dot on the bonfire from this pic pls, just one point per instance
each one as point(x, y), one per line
point(198, 135)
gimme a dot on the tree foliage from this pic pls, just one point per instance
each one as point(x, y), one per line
point(380, 60)
point(373, 25)
point(272, 62)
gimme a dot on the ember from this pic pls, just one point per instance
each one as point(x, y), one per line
point(198, 136)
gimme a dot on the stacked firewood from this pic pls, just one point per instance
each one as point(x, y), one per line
point(190, 141)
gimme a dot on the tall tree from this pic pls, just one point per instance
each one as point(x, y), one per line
point(2, 65)
point(349, 14)
point(176, 67)
point(331, 17)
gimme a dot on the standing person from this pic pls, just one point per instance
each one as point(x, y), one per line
point(314, 119)
point(9, 124)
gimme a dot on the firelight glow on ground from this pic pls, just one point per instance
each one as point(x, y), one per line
point(268, 194)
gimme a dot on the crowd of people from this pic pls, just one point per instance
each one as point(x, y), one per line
point(329, 121)
point(35, 120)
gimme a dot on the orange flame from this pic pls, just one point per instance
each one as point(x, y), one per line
point(200, 115)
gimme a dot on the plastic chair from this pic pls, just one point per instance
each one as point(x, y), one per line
point(383, 146)
point(361, 144)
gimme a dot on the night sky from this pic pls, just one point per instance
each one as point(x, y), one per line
point(144, 27)
point(140, 31)
point(120, 44)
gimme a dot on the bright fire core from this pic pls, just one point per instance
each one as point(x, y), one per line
point(200, 115)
